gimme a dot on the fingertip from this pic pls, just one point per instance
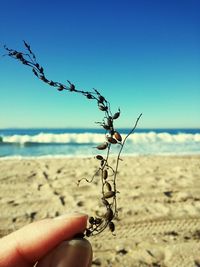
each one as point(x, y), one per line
point(71, 215)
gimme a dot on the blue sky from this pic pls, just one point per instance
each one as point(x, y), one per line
point(143, 56)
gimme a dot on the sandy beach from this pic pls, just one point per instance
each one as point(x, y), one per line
point(159, 205)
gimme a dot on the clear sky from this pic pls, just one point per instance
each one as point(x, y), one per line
point(143, 56)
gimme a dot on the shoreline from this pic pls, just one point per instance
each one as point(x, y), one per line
point(93, 156)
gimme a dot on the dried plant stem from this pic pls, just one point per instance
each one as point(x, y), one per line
point(118, 158)
point(112, 137)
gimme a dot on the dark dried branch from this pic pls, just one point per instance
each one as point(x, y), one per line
point(108, 186)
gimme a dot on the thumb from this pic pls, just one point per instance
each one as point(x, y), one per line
point(73, 253)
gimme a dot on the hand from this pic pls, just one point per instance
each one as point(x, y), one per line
point(47, 243)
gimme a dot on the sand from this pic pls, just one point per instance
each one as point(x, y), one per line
point(159, 205)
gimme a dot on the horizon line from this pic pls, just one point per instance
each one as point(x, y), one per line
point(91, 128)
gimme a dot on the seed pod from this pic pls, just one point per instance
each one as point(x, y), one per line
point(103, 108)
point(42, 70)
point(109, 194)
point(51, 83)
point(91, 220)
point(72, 87)
point(88, 232)
point(117, 136)
point(60, 88)
point(116, 115)
point(109, 215)
point(98, 220)
point(111, 140)
point(102, 163)
point(105, 174)
point(111, 226)
point(106, 127)
point(89, 96)
point(108, 186)
point(101, 99)
point(99, 157)
point(43, 78)
point(112, 131)
point(105, 202)
point(102, 146)
point(19, 56)
point(24, 61)
point(13, 53)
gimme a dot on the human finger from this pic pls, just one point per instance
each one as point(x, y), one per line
point(73, 253)
point(29, 244)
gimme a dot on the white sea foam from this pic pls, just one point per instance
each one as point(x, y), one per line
point(83, 138)
point(164, 137)
point(94, 138)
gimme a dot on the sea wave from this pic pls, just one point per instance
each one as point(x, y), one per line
point(95, 138)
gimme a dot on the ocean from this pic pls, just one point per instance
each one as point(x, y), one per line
point(19, 143)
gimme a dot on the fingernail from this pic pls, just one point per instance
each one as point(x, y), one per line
point(73, 253)
point(71, 215)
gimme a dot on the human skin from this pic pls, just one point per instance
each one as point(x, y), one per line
point(46, 243)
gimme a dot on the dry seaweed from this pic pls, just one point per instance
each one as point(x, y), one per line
point(108, 173)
